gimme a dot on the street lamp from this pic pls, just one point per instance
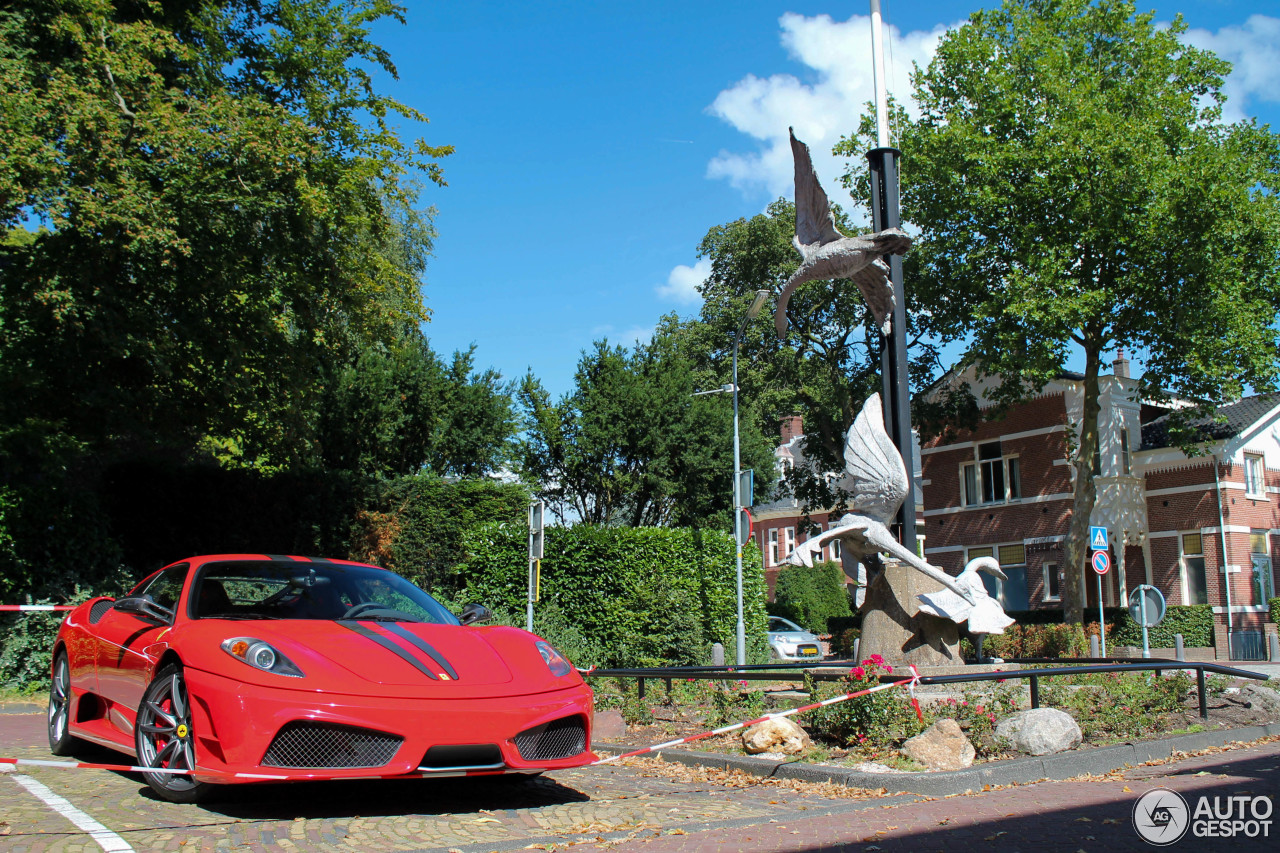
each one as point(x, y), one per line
point(738, 537)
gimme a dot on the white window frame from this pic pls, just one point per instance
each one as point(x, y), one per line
point(1055, 570)
point(773, 546)
point(1255, 475)
point(788, 541)
point(977, 465)
point(1182, 565)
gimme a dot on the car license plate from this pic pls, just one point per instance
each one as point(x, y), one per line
point(808, 651)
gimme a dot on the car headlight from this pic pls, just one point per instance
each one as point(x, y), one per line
point(260, 655)
point(556, 662)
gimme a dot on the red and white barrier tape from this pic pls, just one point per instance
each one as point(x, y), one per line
point(909, 683)
point(121, 768)
point(42, 608)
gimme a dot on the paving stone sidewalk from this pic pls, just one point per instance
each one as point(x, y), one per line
point(609, 807)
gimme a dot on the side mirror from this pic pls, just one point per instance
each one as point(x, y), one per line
point(474, 614)
point(144, 607)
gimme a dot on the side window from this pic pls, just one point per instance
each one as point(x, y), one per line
point(167, 586)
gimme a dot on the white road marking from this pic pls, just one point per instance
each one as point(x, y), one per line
point(106, 839)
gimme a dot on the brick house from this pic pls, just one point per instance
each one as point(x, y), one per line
point(1005, 490)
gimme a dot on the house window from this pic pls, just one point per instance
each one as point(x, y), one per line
point(1194, 583)
point(993, 478)
point(835, 550)
point(788, 541)
point(1052, 582)
point(773, 547)
point(1260, 561)
point(975, 553)
point(1255, 484)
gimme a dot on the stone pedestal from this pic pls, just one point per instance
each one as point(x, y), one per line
point(894, 628)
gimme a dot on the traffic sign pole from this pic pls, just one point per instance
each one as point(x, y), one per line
point(1102, 624)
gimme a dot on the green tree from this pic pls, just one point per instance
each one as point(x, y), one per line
point(1073, 184)
point(810, 595)
point(398, 409)
point(632, 445)
point(219, 183)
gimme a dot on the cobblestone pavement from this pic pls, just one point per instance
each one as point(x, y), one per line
point(622, 808)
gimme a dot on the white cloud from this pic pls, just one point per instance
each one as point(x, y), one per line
point(839, 53)
point(1253, 49)
point(683, 282)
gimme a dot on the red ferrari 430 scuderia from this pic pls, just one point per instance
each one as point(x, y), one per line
point(242, 667)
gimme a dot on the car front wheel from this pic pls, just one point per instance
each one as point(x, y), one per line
point(165, 740)
point(60, 740)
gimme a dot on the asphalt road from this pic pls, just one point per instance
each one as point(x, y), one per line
point(626, 808)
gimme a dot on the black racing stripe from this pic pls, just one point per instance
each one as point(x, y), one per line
point(280, 558)
point(422, 646)
point(388, 645)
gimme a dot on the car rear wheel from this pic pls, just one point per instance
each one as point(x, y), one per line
point(60, 740)
point(165, 740)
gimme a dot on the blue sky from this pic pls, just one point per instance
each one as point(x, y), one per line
point(598, 142)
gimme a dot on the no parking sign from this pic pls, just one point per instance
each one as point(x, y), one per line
point(1101, 562)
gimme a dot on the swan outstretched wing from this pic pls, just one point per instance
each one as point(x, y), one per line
point(814, 223)
point(879, 540)
point(875, 475)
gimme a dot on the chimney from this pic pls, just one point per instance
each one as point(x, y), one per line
point(1120, 367)
point(792, 427)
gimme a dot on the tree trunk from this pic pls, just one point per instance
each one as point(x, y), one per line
point(1085, 493)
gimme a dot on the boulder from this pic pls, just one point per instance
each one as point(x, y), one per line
point(1265, 698)
point(1040, 731)
point(942, 746)
point(777, 734)
point(608, 725)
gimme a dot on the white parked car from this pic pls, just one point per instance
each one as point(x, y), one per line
point(788, 641)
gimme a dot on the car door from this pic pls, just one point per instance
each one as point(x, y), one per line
point(123, 668)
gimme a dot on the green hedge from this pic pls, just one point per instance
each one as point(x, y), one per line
point(811, 596)
point(641, 596)
point(1194, 622)
point(1273, 605)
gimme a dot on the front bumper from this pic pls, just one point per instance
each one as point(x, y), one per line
point(235, 726)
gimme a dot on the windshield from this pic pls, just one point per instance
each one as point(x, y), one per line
point(247, 589)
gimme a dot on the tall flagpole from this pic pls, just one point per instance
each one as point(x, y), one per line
point(893, 355)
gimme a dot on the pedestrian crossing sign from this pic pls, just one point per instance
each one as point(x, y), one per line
point(1098, 538)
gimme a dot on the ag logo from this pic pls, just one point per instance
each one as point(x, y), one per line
point(1161, 816)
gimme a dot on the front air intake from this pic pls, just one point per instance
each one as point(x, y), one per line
point(557, 739)
point(304, 744)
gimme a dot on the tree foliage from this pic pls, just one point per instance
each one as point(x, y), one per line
point(223, 200)
point(1073, 184)
point(812, 595)
point(631, 444)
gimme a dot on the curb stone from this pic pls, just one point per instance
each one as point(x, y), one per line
point(1064, 765)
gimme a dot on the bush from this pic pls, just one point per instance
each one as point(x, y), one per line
point(1037, 641)
point(1194, 622)
point(810, 596)
point(642, 596)
point(872, 722)
point(843, 644)
point(1273, 606)
point(1117, 704)
point(26, 656)
point(416, 525)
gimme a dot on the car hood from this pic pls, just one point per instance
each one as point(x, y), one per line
point(405, 652)
point(363, 657)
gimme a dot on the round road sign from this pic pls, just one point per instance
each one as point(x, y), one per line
point(1101, 562)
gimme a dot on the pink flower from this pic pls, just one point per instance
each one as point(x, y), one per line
point(979, 709)
point(875, 659)
point(888, 668)
point(859, 673)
